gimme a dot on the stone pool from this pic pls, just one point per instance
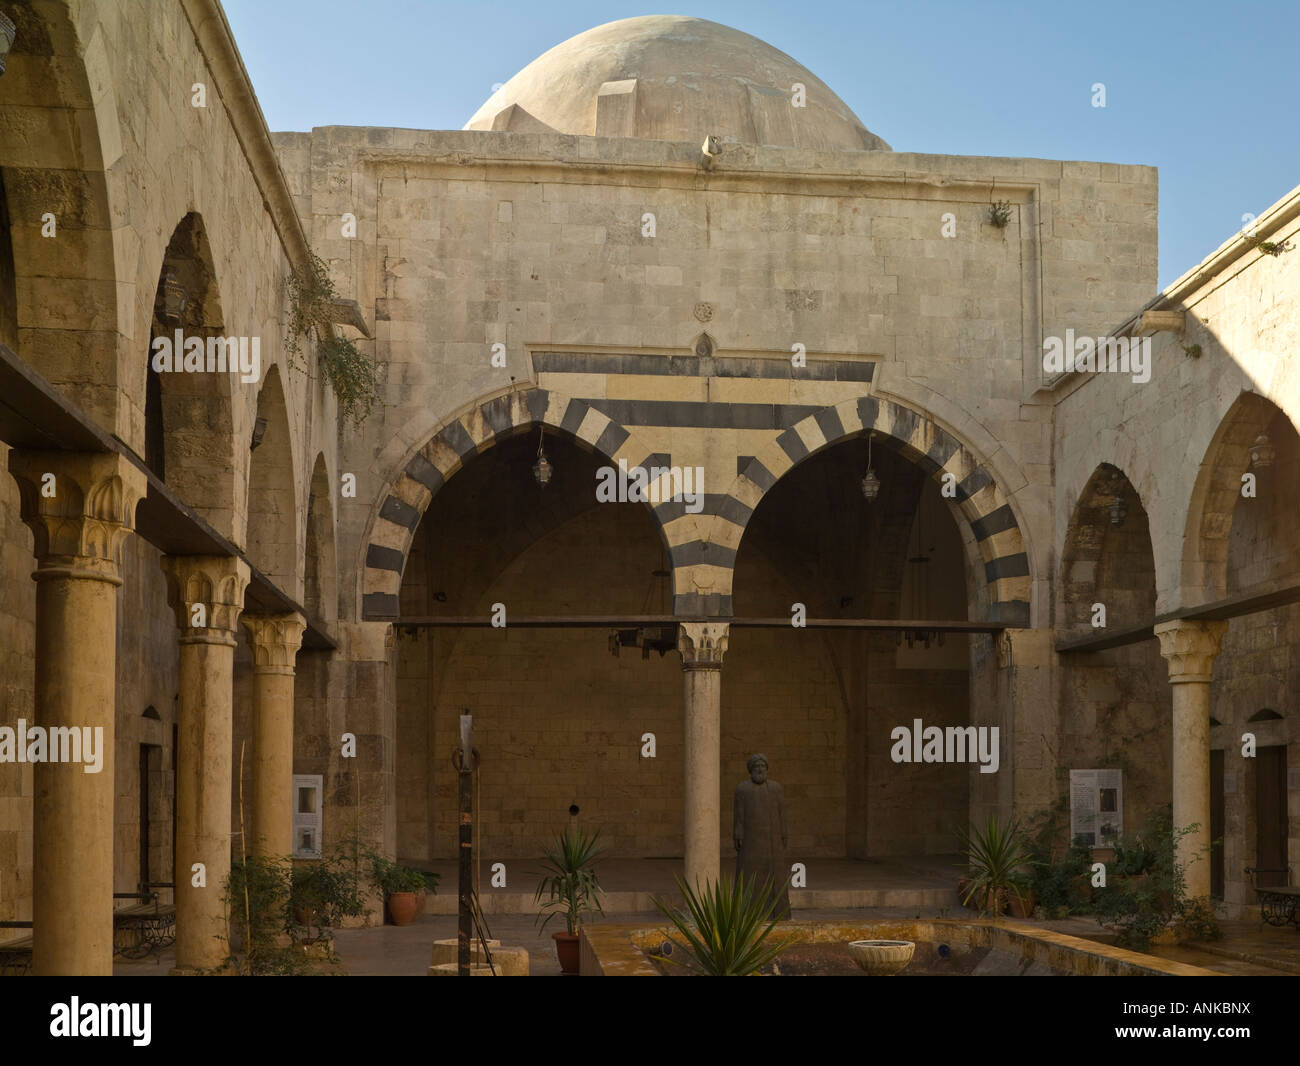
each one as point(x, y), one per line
point(944, 947)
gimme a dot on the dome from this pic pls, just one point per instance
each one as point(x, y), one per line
point(673, 78)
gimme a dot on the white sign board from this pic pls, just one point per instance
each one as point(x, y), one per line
point(1097, 805)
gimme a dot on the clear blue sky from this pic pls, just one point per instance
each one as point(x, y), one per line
point(1206, 90)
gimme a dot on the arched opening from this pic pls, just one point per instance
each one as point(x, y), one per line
point(272, 542)
point(1243, 541)
point(1115, 704)
point(59, 213)
point(558, 719)
point(188, 435)
point(320, 578)
point(822, 704)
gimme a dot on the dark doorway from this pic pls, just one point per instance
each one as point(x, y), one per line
point(144, 815)
point(1270, 816)
point(1216, 824)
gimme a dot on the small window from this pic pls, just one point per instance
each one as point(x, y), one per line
point(307, 815)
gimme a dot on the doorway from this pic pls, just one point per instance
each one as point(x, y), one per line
point(1270, 816)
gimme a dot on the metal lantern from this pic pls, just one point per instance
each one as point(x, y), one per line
point(1262, 453)
point(1118, 511)
point(172, 297)
point(7, 32)
point(870, 482)
point(542, 469)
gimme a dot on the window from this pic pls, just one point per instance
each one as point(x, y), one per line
point(307, 815)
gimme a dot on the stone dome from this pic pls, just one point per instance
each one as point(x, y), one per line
point(673, 78)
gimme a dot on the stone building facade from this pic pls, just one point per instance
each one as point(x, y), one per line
point(664, 244)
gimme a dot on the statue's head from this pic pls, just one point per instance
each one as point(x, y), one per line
point(757, 765)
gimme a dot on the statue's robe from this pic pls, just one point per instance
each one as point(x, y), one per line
point(759, 825)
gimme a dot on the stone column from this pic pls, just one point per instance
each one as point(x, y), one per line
point(702, 646)
point(207, 594)
point(1190, 649)
point(81, 509)
point(274, 640)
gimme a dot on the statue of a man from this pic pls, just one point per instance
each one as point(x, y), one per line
point(759, 832)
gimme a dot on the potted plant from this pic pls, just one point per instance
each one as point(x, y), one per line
point(402, 887)
point(569, 886)
point(323, 893)
point(996, 855)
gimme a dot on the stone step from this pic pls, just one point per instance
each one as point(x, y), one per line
point(506, 902)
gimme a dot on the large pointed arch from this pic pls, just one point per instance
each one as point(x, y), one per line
point(472, 430)
point(1215, 495)
point(61, 120)
point(987, 512)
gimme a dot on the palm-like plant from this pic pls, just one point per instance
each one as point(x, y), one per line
point(569, 881)
point(724, 925)
point(996, 854)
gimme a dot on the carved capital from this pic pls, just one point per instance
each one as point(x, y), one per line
point(702, 644)
point(80, 508)
point(207, 594)
point(274, 640)
point(1190, 648)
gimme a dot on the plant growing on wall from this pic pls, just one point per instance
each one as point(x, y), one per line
point(1273, 248)
point(350, 372)
point(1000, 213)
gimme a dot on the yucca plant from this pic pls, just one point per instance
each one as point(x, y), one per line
point(995, 854)
point(569, 881)
point(726, 926)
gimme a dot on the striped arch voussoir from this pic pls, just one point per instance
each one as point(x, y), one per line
point(990, 517)
point(474, 430)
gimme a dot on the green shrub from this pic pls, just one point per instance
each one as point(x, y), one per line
point(1140, 906)
point(390, 877)
point(723, 926)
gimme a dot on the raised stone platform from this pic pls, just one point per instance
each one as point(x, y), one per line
point(926, 883)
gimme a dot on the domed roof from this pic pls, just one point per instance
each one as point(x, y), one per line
point(673, 78)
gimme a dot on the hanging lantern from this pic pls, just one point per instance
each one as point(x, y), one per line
point(172, 298)
point(870, 483)
point(1118, 511)
point(1262, 453)
point(542, 469)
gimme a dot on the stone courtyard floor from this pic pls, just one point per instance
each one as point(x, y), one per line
point(404, 951)
point(837, 890)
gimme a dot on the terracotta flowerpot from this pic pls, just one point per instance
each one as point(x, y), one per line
point(566, 947)
point(402, 907)
point(304, 915)
point(1022, 906)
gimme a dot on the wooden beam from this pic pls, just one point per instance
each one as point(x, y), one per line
point(34, 415)
point(1252, 601)
point(617, 621)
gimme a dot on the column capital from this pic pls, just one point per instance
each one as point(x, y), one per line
point(215, 583)
point(702, 644)
point(80, 507)
point(274, 640)
point(1190, 647)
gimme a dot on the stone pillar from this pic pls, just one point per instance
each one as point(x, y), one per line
point(81, 509)
point(1190, 648)
point(207, 594)
point(274, 640)
point(702, 646)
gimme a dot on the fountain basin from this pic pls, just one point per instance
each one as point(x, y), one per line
point(882, 958)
